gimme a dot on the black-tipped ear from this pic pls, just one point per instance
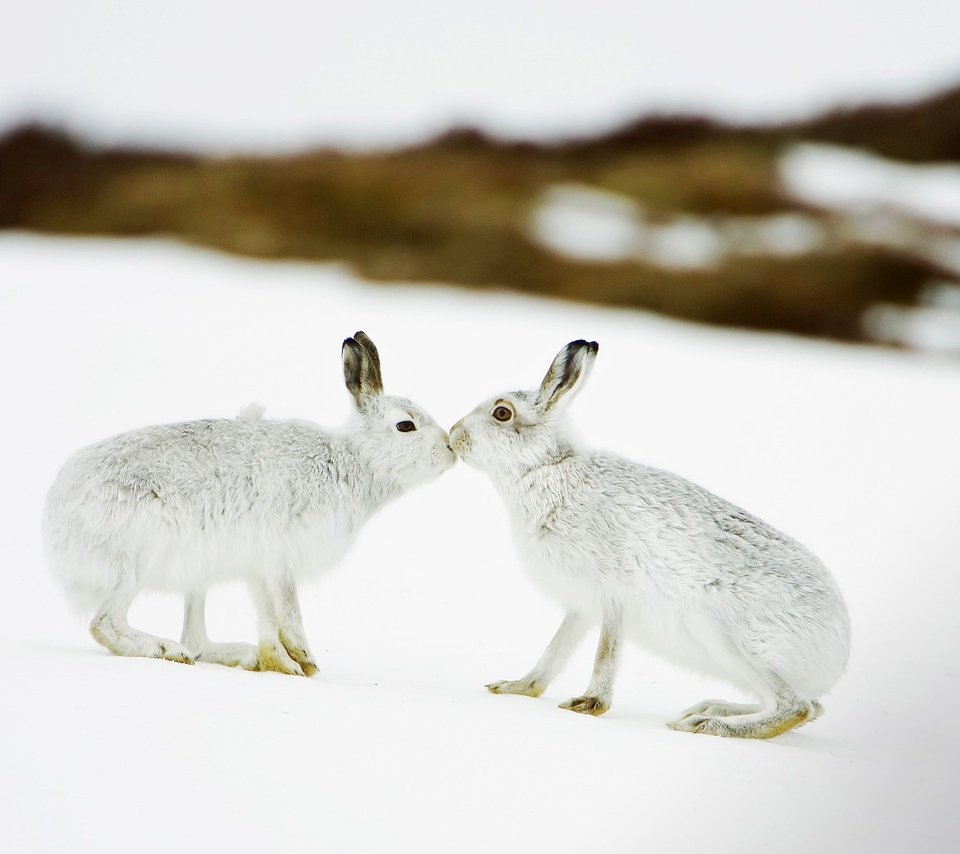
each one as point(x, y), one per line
point(371, 349)
point(361, 369)
point(567, 373)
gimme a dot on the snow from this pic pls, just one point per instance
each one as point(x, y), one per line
point(912, 208)
point(585, 222)
point(781, 234)
point(945, 295)
point(859, 183)
point(588, 223)
point(931, 328)
point(224, 75)
point(396, 745)
point(685, 243)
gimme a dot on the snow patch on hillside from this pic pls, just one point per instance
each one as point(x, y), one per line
point(591, 224)
point(858, 182)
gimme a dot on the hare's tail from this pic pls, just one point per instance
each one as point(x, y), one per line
point(252, 411)
point(86, 581)
point(86, 569)
point(83, 599)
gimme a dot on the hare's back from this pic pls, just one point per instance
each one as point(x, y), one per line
point(699, 526)
point(194, 452)
point(215, 469)
point(204, 500)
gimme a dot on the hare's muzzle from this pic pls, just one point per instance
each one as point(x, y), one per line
point(444, 450)
point(459, 439)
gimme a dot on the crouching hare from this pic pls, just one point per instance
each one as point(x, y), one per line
point(687, 574)
point(180, 507)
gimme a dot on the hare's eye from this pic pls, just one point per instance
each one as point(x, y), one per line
point(406, 426)
point(502, 413)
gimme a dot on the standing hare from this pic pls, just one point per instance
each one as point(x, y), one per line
point(183, 506)
point(689, 575)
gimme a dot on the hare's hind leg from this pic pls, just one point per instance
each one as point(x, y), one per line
point(782, 710)
point(195, 638)
point(717, 709)
point(283, 642)
point(767, 723)
point(110, 628)
point(559, 650)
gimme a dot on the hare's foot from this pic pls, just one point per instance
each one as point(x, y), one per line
point(596, 699)
point(121, 639)
point(243, 655)
point(524, 687)
point(586, 705)
point(717, 709)
point(283, 643)
point(272, 656)
point(559, 649)
point(300, 653)
point(195, 637)
point(753, 725)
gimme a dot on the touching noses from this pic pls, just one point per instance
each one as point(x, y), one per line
point(457, 434)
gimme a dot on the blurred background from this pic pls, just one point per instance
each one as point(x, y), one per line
point(793, 169)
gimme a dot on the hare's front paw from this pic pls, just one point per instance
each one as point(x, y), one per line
point(309, 668)
point(274, 657)
point(586, 705)
point(300, 654)
point(525, 687)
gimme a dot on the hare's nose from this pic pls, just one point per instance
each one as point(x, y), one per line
point(456, 433)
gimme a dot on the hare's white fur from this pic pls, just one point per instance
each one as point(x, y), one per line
point(684, 572)
point(181, 507)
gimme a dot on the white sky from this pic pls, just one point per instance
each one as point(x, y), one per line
point(225, 75)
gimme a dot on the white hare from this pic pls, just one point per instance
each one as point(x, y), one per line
point(687, 574)
point(180, 507)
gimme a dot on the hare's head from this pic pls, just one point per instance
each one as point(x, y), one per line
point(396, 437)
point(518, 430)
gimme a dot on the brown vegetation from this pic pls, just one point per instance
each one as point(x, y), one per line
point(458, 209)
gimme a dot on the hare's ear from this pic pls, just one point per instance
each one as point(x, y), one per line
point(361, 369)
point(567, 374)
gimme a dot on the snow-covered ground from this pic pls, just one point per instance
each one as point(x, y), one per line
point(396, 745)
point(232, 74)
